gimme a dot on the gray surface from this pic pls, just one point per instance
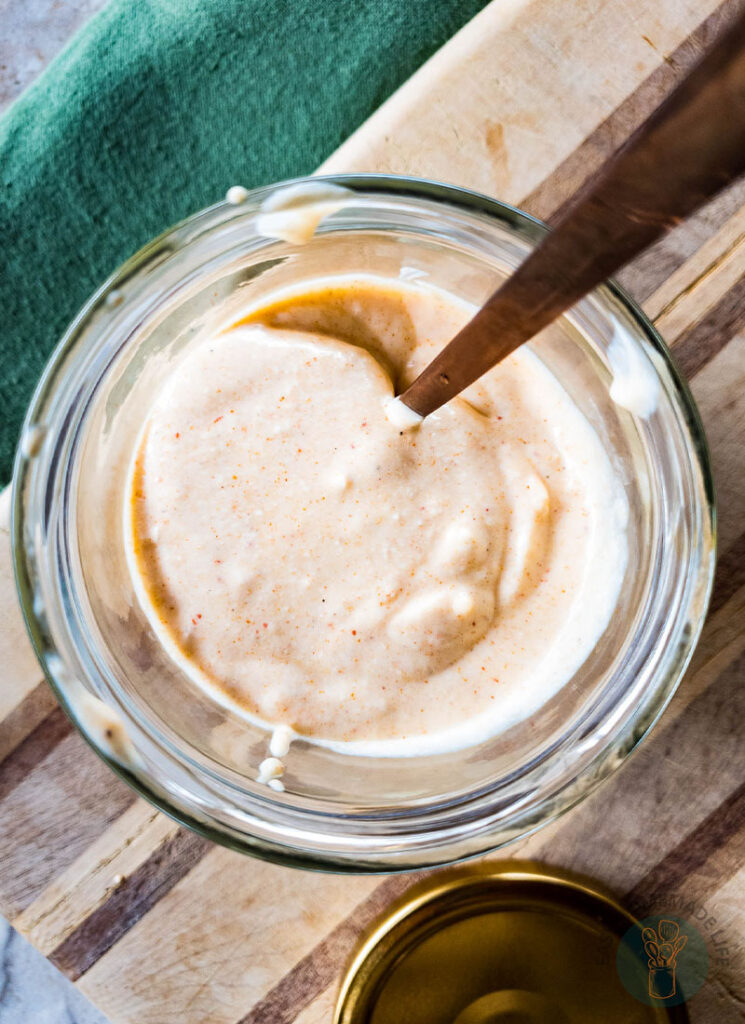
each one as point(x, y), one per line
point(32, 32)
point(34, 992)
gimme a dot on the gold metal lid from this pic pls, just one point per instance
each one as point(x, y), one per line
point(501, 943)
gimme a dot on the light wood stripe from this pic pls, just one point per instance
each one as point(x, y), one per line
point(708, 337)
point(471, 116)
point(703, 306)
point(722, 903)
point(718, 912)
point(89, 881)
point(719, 390)
point(313, 975)
point(702, 280)
point(129, 902)
point(234, 927)
point(629, 114)
point(649, 271)
point(722, 641)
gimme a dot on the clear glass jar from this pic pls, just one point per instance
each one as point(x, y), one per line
point(198, 760)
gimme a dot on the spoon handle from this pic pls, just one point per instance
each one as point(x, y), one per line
point(690, 148)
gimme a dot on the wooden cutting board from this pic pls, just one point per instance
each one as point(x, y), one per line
point(157, 925)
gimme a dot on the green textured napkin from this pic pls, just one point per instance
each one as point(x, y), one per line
point(152, 112)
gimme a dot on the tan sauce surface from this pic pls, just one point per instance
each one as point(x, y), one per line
point(404, 591)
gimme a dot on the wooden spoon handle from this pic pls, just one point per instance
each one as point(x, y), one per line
point(689, 149)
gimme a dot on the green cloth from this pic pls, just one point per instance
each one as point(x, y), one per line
point(152, 112)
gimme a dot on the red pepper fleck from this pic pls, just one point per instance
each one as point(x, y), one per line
point(178, 435)
point(217, 420)
point(265, 625)
point(354, 632)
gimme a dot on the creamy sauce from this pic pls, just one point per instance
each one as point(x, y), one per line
point(294, 213)
point(317, 557)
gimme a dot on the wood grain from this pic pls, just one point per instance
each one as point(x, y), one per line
point(223, 954)
point(549, 81)
point(613, 131)
point(24, 718)
point(37, 745)
point(684, 154)
point(525, 103)
point(130, 900)
point(78, 892)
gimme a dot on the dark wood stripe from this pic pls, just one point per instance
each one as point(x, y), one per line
point(548, 199)
point(703, 340)
point(646, 273)
point(129, 903)
point(37, 745)
point(730, 575)
point(320, 968)
point(24, 718)
point(690, 855)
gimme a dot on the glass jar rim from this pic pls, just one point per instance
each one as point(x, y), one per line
point(276, 836)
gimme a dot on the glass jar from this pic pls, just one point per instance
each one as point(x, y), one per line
point(196, 759)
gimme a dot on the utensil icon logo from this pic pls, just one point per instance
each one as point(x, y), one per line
point(663, 961)
point(662, 947)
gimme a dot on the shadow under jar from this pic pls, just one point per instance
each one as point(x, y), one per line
point(197, 759)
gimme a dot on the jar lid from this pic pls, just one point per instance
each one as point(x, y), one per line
point(502, 943)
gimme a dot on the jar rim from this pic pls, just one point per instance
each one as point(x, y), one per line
point(292, 837)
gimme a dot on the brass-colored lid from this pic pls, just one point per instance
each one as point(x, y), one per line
point(502, 943)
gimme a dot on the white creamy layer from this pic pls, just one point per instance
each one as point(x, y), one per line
point(377, 585)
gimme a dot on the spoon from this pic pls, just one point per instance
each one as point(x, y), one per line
point(687, 151)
